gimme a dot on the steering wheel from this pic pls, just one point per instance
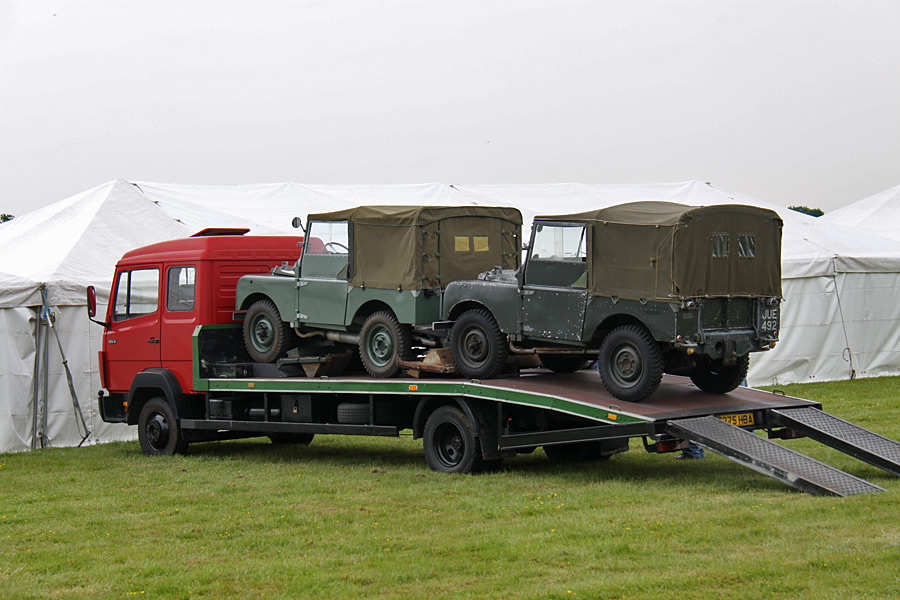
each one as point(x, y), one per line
point(339, 245)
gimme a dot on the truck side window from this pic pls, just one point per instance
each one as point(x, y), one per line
point(137, 294)
point(180, 289)
point(747, 246)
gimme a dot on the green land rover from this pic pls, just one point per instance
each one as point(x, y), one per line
point(373, 276)
point(644, 287)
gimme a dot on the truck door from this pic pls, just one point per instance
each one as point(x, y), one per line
point(132, 341)
point(179, 319)
point(324, 271)
point(554, 293)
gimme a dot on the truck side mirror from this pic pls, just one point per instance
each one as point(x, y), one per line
point(297, 222)
point(92, 306)
point(91, 301)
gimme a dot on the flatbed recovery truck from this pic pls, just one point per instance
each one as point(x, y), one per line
point(218, 392)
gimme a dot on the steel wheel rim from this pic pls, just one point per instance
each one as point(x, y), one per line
point(157, 431)
point(449, 444)
point(475, 346)
point(263, 333)
point(625, 365)
point(380, 345)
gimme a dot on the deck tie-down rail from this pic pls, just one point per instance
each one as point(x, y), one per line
point(769, 458)
point(842, 435)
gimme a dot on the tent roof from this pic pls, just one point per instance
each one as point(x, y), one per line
point(879, 214)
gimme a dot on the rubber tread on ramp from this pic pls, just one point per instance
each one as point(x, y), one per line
point(790, 467)
point(842, 435)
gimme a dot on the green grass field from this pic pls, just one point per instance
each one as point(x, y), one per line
point(365, 518)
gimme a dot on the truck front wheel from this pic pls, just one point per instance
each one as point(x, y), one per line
point(450, 445)
point(716, 378)
point(477, 345)
point(266, 336)
point(383, 342)
point(631, 363)
point(158, 431)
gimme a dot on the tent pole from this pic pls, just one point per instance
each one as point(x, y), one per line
point(36, 385)
point(45, 370)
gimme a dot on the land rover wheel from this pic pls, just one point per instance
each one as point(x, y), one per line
point(158, 431)
point(383, 341)
point(450, 445)
point(716, 378)
point(477, 345)
point(266, 336)
point(563, 363)
point(631, 363)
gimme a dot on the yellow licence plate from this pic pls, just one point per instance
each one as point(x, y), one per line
point(740, 419)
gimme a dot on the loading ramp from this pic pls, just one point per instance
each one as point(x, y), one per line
point(769, 458)
point(841, 435)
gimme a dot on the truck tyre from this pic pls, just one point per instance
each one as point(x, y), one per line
point(158, 431)
point(631, 363)
point(383, 341)
point(266, 336)
point(563, 363)
point(280, 438)
point(450, 445)
point(477, 345)
point(715, 378)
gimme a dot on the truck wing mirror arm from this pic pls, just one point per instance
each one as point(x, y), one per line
point(92, 307)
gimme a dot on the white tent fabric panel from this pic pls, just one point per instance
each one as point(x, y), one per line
point(870, 313)
point(17, 326)
point(812, 342)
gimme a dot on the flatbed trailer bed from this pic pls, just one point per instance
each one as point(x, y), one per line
point(468, 425)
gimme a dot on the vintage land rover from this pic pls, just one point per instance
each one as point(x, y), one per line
point(648, 287)
point(373, 276)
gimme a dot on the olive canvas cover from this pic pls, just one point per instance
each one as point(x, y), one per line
point(666, 250)
point(427, 247)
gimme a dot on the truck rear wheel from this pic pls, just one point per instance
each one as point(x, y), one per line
point(158, 431)
point(716, 378)
point(266, 336)
point(383, 341)
point(631, 363)
point(477, 345)
point(450, 445)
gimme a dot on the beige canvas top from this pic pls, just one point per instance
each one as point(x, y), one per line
point(427, 247)
point(664, 250)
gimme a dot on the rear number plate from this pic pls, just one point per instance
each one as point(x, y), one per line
point(740, 419)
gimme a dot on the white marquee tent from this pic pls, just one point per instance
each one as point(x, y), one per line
point(879, 214)
point(839, 316)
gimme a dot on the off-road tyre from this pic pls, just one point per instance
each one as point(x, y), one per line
point(159, 433)
point(715, 378)
point(631, 363)
point(266, 337)
point(477, 345)
point(450, 445)
point(563, 363)
point(383, 342)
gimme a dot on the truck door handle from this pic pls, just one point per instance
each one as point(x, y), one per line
point(153, 341)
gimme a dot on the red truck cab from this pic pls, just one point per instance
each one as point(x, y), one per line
point(162, 292)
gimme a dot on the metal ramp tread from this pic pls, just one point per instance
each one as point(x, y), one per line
point(766, 457)
point(842, 435)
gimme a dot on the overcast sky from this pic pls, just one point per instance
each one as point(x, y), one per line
point(793, 102)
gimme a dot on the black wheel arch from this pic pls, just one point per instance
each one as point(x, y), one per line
point(152, 383)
